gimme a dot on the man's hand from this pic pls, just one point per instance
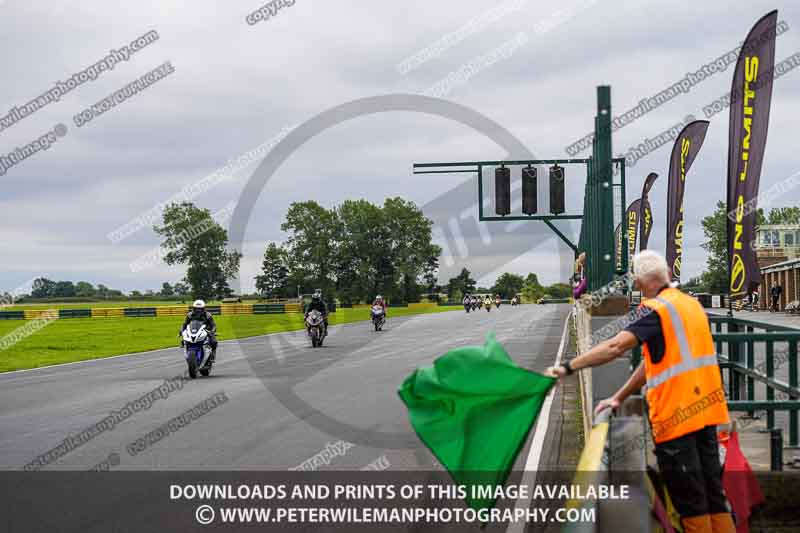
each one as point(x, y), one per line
point(612, 402)
point(555, 372)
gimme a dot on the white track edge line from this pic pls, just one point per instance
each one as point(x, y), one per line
point(537, 443)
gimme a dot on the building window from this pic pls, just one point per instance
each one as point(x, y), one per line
point(788, 238)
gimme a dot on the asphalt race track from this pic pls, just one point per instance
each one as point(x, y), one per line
point(286, 402)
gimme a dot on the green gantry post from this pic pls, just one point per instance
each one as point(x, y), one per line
point(598, 219)
point(597, 230)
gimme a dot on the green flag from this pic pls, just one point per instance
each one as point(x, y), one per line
point(473, 409)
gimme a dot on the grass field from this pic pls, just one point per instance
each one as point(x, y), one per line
point(79, 339)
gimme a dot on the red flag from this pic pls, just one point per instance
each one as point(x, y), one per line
point(740, 484)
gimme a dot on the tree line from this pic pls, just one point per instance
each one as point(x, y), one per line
point(45, 288)
point(507, 286)
point(352, 252)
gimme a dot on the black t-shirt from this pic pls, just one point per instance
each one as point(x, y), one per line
point(648, 330)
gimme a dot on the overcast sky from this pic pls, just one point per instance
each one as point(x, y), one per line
point(237, 85)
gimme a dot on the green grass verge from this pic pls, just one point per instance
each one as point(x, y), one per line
point(117, 304)
point(79, 339)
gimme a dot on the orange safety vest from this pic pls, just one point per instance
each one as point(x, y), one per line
point(684, 389)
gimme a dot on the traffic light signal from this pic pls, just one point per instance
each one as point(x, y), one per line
point(502, 191)
point(556, 190)
point(529, 191)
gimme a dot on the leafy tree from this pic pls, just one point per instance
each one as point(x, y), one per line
point(181, 289)
point(43, 288)
point(194, 238)
point(532, 290)
point(363, 266)
point(410, 248)
point(166, 289)
point(312, 246)
point(715, 277)
point(694, 284)
point(274, 279)
point(85, 289)
point(136, 294)
point(559, 290)
point(460, 285)
point(508, 285)
point(359, 249)
point(784, 215)
point(430, 281)
point(64, 289)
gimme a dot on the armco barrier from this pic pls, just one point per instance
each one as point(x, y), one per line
point(107, 312)
point(140, 311)
point(75, 313)
point(264, 309)
point(12, 315)
point(237, 309)
point(297, 308)
point(172, 310)
point(31, 314)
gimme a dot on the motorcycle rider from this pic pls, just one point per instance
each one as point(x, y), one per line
point(379, 301)
point(467, 300)
point(199, 312)
point(318, 304)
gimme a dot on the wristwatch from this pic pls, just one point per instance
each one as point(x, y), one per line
point(565, 366)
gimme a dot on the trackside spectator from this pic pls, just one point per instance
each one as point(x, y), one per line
point(683, 389)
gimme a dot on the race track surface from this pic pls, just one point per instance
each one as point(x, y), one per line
point(286, 402)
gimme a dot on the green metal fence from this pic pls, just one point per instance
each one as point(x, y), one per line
point(750, 353)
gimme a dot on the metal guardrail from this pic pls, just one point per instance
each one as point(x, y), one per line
point(591, 470)
point(738, 344)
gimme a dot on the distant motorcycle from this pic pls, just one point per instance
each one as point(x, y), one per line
point(488, 305)
point(514, 302)
point(497, 302)
point(474, 304)
point(467, 306)
point(378, 317)
point(197, 348)
point(315, 325)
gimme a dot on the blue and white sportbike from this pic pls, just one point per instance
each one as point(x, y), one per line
point(198, 349)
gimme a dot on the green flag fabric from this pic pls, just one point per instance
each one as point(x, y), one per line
point(473, 409)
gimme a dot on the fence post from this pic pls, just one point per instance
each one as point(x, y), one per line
point(793, 383)
point(751, 363)
point(776, 450)
point(770, 391)
point(733, 356)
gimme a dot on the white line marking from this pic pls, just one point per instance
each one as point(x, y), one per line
point(537, 443)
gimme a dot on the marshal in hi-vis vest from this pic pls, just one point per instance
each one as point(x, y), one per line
point(684, 389)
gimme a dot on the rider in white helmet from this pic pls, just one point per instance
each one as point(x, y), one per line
point(199, 312)
point(380, 301)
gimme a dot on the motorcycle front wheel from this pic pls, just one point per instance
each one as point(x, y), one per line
point(191, 362)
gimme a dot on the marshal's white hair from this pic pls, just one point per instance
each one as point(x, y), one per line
point(649, 265)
